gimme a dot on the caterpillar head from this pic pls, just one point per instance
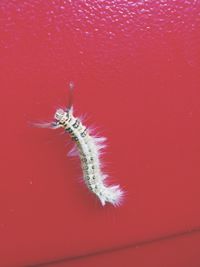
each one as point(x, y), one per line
point(62, 116)
point(60, 113)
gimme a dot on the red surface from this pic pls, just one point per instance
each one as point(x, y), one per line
point(136, 67)
point(176, 252)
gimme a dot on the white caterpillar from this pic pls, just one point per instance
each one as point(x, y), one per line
point(89, 149)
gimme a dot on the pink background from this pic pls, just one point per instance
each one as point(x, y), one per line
point(135, 65)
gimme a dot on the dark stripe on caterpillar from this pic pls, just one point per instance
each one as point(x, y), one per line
point(76, 124)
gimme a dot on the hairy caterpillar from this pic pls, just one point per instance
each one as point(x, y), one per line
point(88, 148)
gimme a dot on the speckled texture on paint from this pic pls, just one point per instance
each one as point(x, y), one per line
point(99, 30)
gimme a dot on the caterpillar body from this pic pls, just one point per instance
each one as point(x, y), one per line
point(88, 148)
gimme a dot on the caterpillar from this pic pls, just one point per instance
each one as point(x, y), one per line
point(89, 148)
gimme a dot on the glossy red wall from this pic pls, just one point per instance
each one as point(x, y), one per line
point(135, 65)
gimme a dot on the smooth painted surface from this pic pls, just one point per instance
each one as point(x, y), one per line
point(180, 251)
point(136, 67)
